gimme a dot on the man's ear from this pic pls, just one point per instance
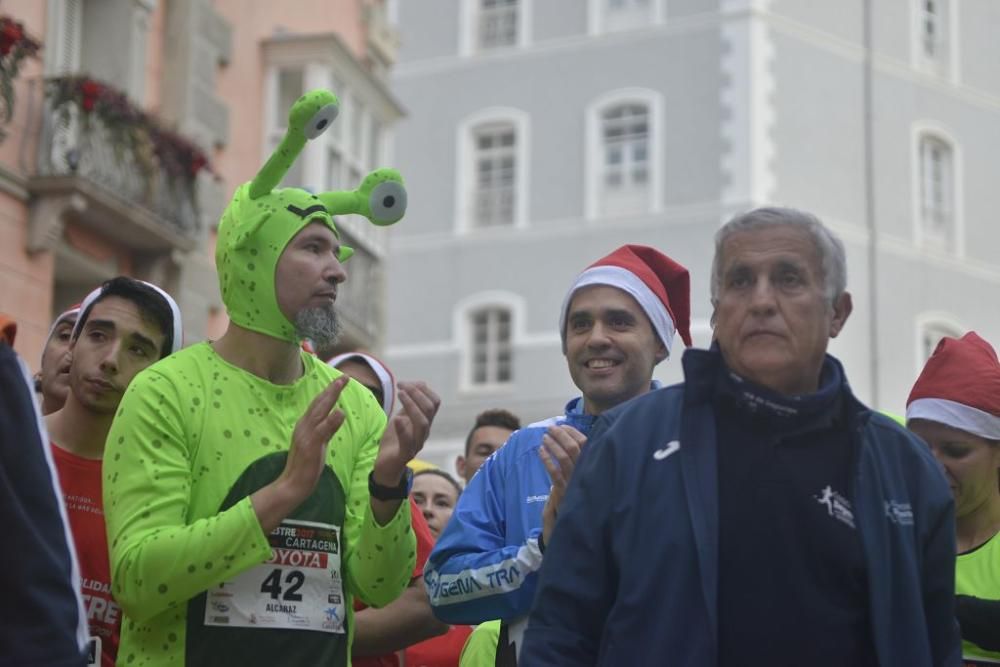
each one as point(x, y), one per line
point(460, 466)
point(661, 351)
point(842, 307)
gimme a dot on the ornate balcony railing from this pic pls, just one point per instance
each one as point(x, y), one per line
point(83, 146)
point(118, 168)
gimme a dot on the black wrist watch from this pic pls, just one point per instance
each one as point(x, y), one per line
point(398, 492)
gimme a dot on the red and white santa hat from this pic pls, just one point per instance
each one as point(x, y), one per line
point(960, 387)
point(381, 371)
point(661, 286)
point(175, 311)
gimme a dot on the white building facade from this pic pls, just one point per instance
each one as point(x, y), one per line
point(542, 134)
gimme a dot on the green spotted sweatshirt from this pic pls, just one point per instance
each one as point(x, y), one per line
point(198, 579)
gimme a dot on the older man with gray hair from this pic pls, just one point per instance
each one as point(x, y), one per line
point(758, 513)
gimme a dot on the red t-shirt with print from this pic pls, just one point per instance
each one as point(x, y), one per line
point(425, 542)
point(80, 480)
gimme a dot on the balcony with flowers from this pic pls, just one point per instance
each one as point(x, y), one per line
point(114, 168)
point(15, 47)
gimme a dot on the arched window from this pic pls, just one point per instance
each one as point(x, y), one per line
point(937, 189)
point(624, 162)
point(931, 328)
point(492, 25)
point(931, 335)
point(495, 179)
point(617, 15)
point(492, 168)
point(490, 346)
point(934, 37)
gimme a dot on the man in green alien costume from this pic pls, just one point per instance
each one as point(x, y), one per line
point(250, 490)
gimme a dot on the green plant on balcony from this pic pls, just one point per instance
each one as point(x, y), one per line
point(15, 46)
point(154, 146)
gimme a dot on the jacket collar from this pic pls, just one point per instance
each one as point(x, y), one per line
point(701, 369)
point(574, 409)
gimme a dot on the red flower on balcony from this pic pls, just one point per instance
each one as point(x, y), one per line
point(90, 90)
point(130, 127)
point(11, 32)
point(15, 46)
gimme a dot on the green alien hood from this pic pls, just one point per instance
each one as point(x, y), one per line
point(261, 219)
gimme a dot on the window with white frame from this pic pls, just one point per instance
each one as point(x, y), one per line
point(494, 191)
point(931, 334)
point(932, 41)
point(937, 188)
point(490, 346)
point(497, 23)
point(626, 14)
point(625, 158)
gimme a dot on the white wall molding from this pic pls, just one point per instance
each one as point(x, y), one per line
point(747, 65)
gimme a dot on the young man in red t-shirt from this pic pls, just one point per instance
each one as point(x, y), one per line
point(124, 327)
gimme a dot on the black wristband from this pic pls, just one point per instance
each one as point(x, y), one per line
point(398, 492)
point(541, 541)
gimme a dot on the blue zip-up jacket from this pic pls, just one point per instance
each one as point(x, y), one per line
point(637, 539)
point(484, 565)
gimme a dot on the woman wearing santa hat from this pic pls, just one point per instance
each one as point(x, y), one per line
point(955, 407)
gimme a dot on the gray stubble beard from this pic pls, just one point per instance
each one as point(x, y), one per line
point(320, 325)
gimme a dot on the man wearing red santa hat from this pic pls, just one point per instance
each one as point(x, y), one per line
point(617, 322)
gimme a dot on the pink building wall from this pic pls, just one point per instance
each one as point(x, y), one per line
point(25, 281)
point(241, 83)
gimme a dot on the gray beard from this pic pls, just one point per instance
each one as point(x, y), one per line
point(320, 325)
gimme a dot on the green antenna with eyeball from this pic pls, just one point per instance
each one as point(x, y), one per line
point(309, 117)
point(381, 198)
point(261, 219)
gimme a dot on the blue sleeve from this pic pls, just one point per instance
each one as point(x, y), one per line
point(578, 585)
point(43, 621)
point(479, 571)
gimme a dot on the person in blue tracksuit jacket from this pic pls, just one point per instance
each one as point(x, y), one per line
point(757, 514)
point(617, 322)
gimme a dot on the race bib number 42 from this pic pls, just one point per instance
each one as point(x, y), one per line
point(299, 588)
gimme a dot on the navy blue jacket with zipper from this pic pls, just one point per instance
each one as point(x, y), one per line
point(630, 577)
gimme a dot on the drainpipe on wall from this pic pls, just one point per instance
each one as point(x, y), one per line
point(869, 134)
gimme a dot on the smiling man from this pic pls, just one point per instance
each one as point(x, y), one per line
point(617, 322)
point(757, 514)
point(123, 327)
